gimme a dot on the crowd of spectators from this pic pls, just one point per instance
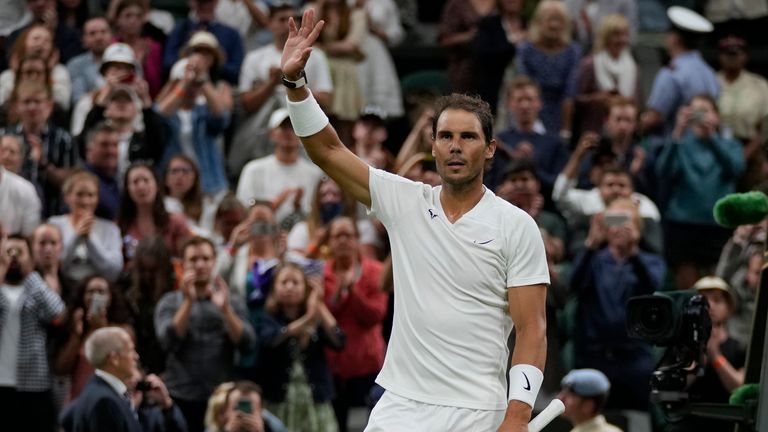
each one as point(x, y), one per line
point(157, 204)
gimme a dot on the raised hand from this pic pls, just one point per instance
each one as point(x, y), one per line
point(298, 47)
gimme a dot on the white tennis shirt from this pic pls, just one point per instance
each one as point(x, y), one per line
point(451, 321)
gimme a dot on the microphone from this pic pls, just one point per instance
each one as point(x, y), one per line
point(554, 409)
point(741, 209)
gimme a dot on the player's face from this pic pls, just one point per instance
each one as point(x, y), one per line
point(460, 149)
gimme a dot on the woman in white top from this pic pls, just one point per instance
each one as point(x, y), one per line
point(37, 41)
point(91, 245)
point(184, 195)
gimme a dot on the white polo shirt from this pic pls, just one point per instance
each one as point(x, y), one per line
point(451, 321)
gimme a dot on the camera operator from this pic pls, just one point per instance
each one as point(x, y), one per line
point(609, 271)
point(724, 369)
point(154, 405)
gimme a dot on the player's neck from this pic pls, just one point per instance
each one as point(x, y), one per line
point(457, 201)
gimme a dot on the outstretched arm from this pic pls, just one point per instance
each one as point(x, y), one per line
point(324, 147)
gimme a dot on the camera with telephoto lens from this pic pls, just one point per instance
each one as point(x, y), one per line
point(680, 322)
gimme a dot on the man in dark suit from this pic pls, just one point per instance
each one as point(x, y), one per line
point(104, 405)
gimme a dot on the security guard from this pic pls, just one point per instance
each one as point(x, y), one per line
point(687, 75)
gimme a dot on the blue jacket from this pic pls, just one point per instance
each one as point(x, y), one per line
point(206, 129)
point(99, 408)
point(277, 354)
point(603, 285)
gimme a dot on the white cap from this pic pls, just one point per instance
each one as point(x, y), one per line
point(278, 117)
point(118, 53)
point(688, 20)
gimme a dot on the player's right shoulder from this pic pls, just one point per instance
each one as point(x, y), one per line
point(381, 178)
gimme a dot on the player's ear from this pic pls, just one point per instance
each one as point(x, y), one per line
point(490, 149)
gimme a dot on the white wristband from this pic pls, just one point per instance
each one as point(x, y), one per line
point(307, 117)
point(524, 383)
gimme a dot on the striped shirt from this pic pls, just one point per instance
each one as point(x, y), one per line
point(40, 306)
point(59, 150)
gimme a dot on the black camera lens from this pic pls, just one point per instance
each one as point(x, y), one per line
point(651, 318)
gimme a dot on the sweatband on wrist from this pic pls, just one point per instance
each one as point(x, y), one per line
point(524, 383)
point(307, 117)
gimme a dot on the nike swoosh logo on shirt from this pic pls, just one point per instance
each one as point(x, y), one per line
point(527, 383)
point(483, 243)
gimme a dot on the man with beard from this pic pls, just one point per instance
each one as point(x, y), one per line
point(27, 309)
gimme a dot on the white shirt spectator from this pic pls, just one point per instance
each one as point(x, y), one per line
point(100, 253)
point(264, 179)
point(577, 203)
point(10, 334)
point(19, 202)
point(251, 137)
point(385, 16)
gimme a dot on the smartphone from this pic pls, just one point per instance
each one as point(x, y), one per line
point(697, 117)
point(261, 228)
point(128, 79)
point(143, 385)
point(98, 304)
point(615, 219)
point(244, 405)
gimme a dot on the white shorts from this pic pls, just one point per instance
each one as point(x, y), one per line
point(395, 413)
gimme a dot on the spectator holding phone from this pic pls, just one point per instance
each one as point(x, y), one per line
point(95, 304)
point(609, 270)
point(118, 67)
point(242, 411)
point(612, 182)
point(154, 406)
point(200, 327)
point(197, 106)
point(28, 308)
point(699, 167)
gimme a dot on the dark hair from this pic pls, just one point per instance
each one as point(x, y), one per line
point(192, 201)
point(339, 219)
point(126, 216)
point(21, 237)
point(117, 313)
point(81, 13)
point(472, 104)
point(708, 98)
point(271, 306)
point(689, 40)
point(519, 167)
point(125, 4)
point(618, 171)
point(245, 388)
point(229, 203)
point(521, 82)
point(314, 220)
point(152, 247)
point(100, 127)
point(196, 241)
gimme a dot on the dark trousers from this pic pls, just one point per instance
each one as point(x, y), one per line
point(27, 411)
point(194, 413)
point(352, 392)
